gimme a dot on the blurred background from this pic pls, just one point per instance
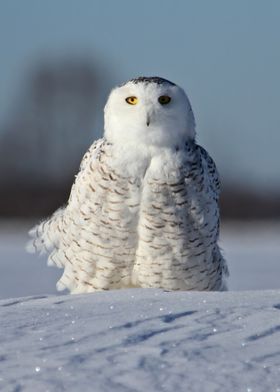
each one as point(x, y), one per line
point(59, 60)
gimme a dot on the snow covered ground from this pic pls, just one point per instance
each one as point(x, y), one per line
point(142, 339)
point(253, 255)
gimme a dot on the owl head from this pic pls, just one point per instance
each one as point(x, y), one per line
point(150, 111)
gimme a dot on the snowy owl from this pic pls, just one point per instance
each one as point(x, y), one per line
point(143, 210)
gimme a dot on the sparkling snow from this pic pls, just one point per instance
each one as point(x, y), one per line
point(142, 340)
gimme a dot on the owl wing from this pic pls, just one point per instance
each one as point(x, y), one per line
point(212, 179)
point(46, 236)
point(210, 171)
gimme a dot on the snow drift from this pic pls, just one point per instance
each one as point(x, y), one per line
point(141, 340)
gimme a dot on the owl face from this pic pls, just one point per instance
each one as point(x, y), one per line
point(149, 111)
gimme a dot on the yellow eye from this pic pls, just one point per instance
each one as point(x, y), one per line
point(132, 100)
point(164, 99)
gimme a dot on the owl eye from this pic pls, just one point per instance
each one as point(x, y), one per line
point(132, 100)
point(164, 99)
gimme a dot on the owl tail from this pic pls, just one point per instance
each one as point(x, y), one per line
point(45, 237)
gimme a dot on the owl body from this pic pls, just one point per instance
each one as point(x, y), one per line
point(141, 213)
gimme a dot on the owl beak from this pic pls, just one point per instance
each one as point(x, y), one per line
point(148, 120)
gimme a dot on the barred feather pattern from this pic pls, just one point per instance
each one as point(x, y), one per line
point(156, 226)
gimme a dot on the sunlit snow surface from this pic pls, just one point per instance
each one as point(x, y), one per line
point(142, 340)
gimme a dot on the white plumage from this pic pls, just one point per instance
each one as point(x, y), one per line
point(143, 211)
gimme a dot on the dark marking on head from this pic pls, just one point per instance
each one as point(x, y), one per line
point(151, 79)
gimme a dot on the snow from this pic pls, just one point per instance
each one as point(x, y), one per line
point(22, 274)
point(142, 340)
point(253, 254)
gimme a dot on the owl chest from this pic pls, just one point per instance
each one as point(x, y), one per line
point(113, 200)
point(158, 191)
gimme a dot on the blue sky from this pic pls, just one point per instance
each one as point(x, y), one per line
point(226, 55)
